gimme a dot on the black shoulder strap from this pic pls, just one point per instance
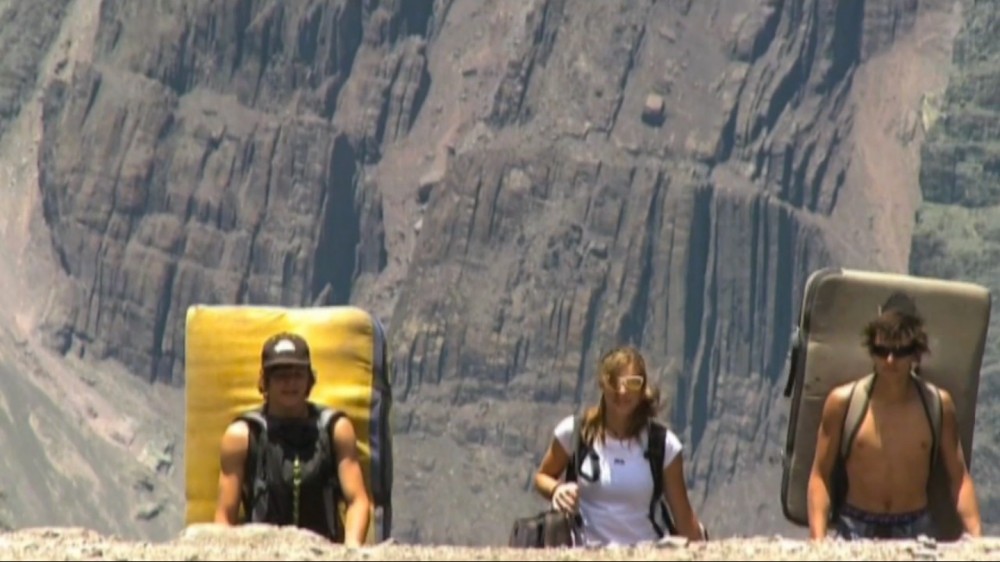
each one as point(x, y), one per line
point(324, 423)
point(255, 483)
point(331, 487)
point(655, 451)
point(578, 446)
point(794, 347)
point(656, 438)
point(930, 398)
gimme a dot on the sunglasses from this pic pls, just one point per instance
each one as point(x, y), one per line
point(904, 351)
point(631, 383)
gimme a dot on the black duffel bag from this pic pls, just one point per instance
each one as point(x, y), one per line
point(548, 529)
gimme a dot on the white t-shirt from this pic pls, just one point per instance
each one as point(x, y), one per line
point(615, 509)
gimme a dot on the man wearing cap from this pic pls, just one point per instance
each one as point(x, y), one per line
point(290, 461)
point(887, 468)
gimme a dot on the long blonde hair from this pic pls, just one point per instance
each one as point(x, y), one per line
point(611, 365)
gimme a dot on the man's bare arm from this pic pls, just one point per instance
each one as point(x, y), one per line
point(827, 447)
point(232, 456)
point(352, 483)
point(963, 492)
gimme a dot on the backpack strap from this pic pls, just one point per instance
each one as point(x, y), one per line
point(578, 447)
point(331, 488)
point(255, 483)
point(656, 437)
point(857, 407)
point(324, 423)
point(572, 467)
point(930, 398)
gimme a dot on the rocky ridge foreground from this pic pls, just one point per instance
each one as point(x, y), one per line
point(203, 542)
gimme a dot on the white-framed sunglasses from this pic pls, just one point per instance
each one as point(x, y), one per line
point(632, 383)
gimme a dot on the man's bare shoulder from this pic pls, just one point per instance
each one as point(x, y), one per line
point(342, 432)
point(840, 394)
point(236, 438)
point(946, 399)
point(945, 395)
point(238, 428)
point(837, 400)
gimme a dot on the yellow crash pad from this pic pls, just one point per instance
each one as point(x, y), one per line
point(222, 368)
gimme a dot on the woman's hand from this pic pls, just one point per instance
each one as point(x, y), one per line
point(566, 497)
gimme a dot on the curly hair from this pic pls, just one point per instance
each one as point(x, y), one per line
point(896, 329)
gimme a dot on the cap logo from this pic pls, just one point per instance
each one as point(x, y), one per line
point(284, 345)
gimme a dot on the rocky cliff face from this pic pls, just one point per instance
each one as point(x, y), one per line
point(569, 224)
point(197, 160)
point(75, 448)
point(956, 235)
point(23, 52)
point(513, 188)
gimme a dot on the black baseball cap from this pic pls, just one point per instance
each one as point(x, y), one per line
point(285, 349)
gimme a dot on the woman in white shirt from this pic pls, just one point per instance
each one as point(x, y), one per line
point(614, 482)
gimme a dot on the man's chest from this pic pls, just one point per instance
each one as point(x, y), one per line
point(902, 432)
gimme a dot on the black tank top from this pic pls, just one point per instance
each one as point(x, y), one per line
point(299, 472)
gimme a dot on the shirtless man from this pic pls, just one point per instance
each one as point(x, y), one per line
point(888, 466)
